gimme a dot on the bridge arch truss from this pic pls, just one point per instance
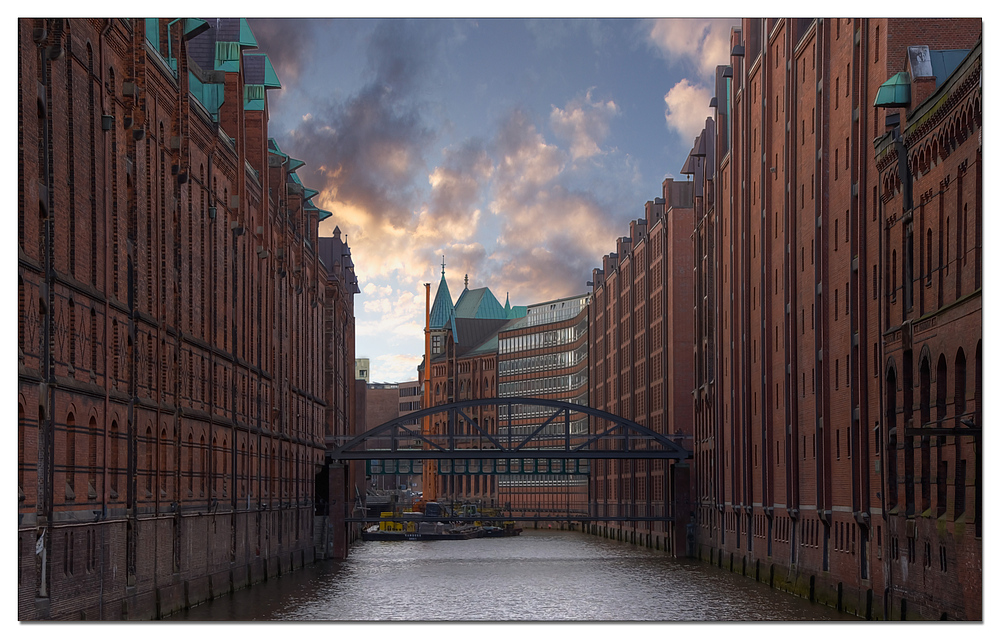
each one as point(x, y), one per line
point(554, 434)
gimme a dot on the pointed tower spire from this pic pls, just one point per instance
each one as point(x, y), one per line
point(506, 305)
point(443, 310)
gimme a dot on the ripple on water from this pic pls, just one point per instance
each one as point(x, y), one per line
point(539, 576)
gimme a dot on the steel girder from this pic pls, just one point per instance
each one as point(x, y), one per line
point(620, 438)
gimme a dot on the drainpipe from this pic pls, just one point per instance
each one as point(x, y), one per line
point(107, 308)
point(50, 52)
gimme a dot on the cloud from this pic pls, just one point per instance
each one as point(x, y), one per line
point(372, 289)
point(456, 188)
point(584, 123)
point(704, 44)
point(395, 368)
point(687, 108)
point(525, 160)
point(391, 316)
point(701, 45)
point(551, 235)
point(286, 44)
point(366, 153)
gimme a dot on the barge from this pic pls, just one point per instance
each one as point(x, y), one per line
point(433, 525)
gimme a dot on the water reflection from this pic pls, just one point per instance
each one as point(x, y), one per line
point(537, 576)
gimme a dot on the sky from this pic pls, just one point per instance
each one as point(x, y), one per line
point(518, 149)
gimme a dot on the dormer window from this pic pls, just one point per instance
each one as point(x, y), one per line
point(253, 92)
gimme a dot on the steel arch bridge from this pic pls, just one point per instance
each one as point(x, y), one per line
point(550, 437)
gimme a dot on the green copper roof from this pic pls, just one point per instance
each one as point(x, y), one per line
point(894, 92)
point(153, 32)
point(324, 214)
point(209, 95)
point(272, 146)
point(479, 303)
point(194, 26)
point(270, 76)
point(292, 162)
point(247, 38)
point(442, 311)
point(514, 312)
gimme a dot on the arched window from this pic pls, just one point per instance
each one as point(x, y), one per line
point(891, 426)
point(942, 464)
point(929, 254)
point(149, 443)
point(203, 466)
point(113, 465)
point(894, 280)
point(225, 467)
point(20, 451)
point(216, 466)
point(164, 468)
point(251, 471)
point(978, 389)
point(273, 477)
point(190, 471)
point(925, 418)
point(70, 457)
point(241, 470)
point(92, 458)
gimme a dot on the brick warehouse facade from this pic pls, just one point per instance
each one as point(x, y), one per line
point(809, 474)
point(641, 362)
point(836, 378)
point(932, 350)
point(462, 345)
point(170, 424)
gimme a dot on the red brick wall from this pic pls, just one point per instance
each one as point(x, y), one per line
point(933, 536)
point(807, 237)
point(126, 516)
point(641, 361)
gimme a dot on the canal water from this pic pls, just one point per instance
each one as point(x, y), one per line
point(538, 576)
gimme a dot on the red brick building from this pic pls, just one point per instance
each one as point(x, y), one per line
point(816, 285)
point(642, 360)
point(171, 424)
point(463, 366)
point(480, 349)
point(932, 326)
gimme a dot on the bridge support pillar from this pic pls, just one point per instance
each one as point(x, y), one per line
point(338, 511)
